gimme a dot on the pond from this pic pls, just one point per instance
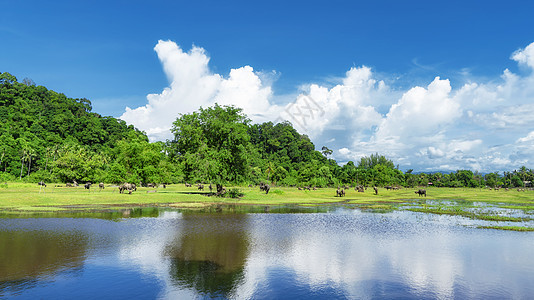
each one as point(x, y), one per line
point(336, 253)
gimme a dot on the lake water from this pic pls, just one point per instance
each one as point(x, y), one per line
point(336, 254)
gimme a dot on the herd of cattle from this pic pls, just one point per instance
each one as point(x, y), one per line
point(340, 192)
point(125, 187)
point(131, 187)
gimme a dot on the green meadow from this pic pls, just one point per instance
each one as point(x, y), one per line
point(31, 197)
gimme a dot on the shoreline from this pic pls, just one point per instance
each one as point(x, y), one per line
point(25, 199)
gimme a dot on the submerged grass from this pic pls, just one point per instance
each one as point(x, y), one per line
point(457, 211)
point(510, 228)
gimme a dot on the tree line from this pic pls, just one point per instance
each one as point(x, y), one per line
point(46, 136)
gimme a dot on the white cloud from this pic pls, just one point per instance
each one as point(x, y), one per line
point(525, 56)
point(528, 138)
point(349, 105)
point(420, 112)
point(193, 85)
point(485, 126)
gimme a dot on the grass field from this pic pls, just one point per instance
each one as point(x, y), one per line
point(27, 197)
point(32, 196)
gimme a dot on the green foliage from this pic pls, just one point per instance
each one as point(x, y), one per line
point(375, 160)
point(5, 177)
point(234, 193)
point(47, 136)
point(516, 181)
point(213, 144)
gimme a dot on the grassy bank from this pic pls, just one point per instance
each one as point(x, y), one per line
point(16, 198)
point(31, 196)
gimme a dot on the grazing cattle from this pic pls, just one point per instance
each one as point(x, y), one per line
point(200, 187)
point(220, 190)
point(87, 186)
point(101, 186)
point(127, 186)
point(250, 185)
point(75, 183)
point(299, 188)
point(359, 189)
point(69, 184)
point(187, 184)
point(42, 185)
point(376, 190)
point(151, 185)
point(421, 192)
point(340, 192)
point(211, 187)
point(265, 187)
point(164, 186)
point(314, 188)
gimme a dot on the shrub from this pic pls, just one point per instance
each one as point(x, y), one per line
point(4, 177)
point(234, 193)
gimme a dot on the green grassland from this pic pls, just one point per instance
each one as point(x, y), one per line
point(24, 196)
point(21, 198)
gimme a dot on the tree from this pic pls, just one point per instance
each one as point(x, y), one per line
point(375, 159)
point(516, 181)
point(213, 144)
point(326, 151)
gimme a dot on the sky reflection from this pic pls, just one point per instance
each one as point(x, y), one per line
point(344, 254)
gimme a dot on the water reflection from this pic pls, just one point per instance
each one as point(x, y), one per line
point(28, 255)
point(210, 253)
point(93, 213)
point(224, 252)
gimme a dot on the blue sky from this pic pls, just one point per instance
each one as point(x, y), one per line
point(280, 50)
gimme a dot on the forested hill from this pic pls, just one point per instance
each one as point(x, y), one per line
point(44, 116)
point(36, 123)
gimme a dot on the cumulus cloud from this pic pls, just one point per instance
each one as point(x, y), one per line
point(420, 112)
point(193, 85)
point(525, 56)
point(484, 126)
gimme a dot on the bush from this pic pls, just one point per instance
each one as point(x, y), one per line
point(234, 193)
point(289, 181)
point(41, 175)
point(278, 192)
point(4, 177)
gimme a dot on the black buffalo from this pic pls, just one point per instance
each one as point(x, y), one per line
point(421, 192)
point(265, 187)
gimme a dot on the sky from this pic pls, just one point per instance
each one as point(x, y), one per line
point(434, 86)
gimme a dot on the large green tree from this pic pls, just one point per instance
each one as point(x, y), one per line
point(213, 145)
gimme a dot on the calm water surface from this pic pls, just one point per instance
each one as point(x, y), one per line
point(339, 254)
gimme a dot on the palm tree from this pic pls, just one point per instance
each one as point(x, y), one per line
point(24, 157)
point(31, 154)
point(270, 170)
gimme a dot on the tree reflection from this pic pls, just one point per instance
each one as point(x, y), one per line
point(26, 255)
point(210, 253)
